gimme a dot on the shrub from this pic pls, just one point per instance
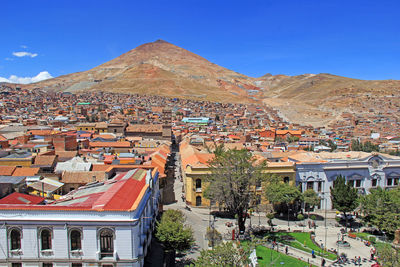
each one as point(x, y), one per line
point(300, 217)
point(313, 217)
point(372, 239)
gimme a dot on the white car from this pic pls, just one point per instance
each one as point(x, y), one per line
point(342, 217)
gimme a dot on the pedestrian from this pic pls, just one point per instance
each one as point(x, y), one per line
point(359, 260)
point(312, 253)
point(286, 250)
point(323, 262)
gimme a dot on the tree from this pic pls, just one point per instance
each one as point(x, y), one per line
point(278, 192)
point(225, 254)
point(233, 177)
point(311, 198)
point(382, 209)
point(292, 139)
point(388, 256)
point(344, 196)
point(173, 234)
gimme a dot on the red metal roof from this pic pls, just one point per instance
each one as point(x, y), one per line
point(19, 198)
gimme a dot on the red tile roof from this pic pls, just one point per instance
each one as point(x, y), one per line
point(7, 170)
point(25, 171)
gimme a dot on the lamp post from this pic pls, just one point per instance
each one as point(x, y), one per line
point(338, 236)
point(326, 228)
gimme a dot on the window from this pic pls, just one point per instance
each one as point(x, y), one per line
point(351, 183)
point(75, 237)
point(310, 185)
point(76, 265)
point(389, 181)
point(319, 186)
point(198, 185)
point(286, 180)
point(358, 183)
point(16, 264)
point(106, 243)
point(45, 240)
point(374, 182)
point(396, 181)
point(15, 236)
point(47, 265)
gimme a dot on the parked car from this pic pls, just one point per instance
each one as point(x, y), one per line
point(342, 217)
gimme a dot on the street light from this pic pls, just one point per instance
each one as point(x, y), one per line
point(326, 228)
point(338, 236)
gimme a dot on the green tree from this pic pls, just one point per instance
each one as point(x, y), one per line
point(311, 198)
point(278, 192)
point(225, 254)
point(388, 256)
point(173, 234)
point(344, 196)
point(233, 176)
point(332, 145)
point(382, 209)
point(292, 139)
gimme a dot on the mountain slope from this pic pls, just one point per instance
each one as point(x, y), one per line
point(160, 68)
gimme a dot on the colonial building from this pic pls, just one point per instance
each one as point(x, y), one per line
point(363, 171)
point(106, 223)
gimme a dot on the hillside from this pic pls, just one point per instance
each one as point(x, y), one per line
point(161, 68)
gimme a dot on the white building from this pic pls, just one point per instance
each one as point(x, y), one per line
point(362, 170)
point(100, 224)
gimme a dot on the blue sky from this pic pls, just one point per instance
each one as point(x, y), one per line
point(358, 39)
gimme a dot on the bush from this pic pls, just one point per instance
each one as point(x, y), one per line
point(300, 217)
point(313, 217)
point(372, 239)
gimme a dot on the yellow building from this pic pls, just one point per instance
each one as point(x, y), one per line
point(194, 169)
point(17, 159)
point(86, 127)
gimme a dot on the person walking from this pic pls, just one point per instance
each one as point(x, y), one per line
point(359, 261)
point(313, 254)
point(286, 250)
point(323, 262)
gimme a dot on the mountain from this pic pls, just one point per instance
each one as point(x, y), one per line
point(160, 68)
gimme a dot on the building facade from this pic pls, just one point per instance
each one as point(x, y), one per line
point(101, 224)
point(363, 171)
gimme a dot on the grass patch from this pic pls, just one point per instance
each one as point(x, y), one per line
point(271, 256)
point(303, 242)
point(363, 235)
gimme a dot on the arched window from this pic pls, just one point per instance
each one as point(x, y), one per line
point(75, 238)
point(15, 236)
point(198, 183)
point(106, 243)
point(45, 239)
point(286, 180)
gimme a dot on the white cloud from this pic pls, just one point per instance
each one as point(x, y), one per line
point(24, 46)
point(9, 59)
point(44, 75)
point(24, 54)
